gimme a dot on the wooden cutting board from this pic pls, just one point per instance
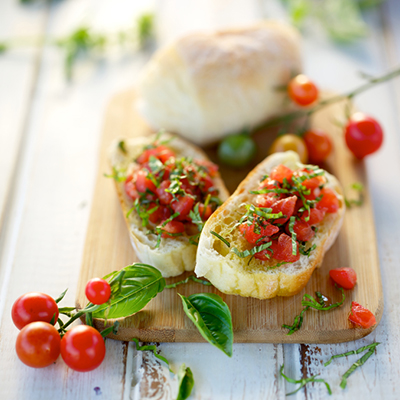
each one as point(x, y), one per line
point(108, 249)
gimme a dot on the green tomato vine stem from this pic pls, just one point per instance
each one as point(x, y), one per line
point(331, 100)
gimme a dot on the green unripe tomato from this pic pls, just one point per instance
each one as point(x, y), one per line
point(237, 150)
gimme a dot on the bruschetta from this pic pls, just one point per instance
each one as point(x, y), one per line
point(270, 235)
point(167, 189)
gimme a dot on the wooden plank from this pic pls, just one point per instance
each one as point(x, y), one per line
point(108, 248)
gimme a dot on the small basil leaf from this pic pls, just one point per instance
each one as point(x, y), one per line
point(185, 382)
point(212, 318)
point(131, 289)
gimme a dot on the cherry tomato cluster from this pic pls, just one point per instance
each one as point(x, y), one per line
point(363, 134)
point(359, 315)
point(39, 343)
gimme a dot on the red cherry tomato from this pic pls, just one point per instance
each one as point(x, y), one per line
point(329, 201)
point(98, 291)
point(83, 348)
point(31, 307)
point(344, 277)
point(38, 344)
point(302, 91)
point(361, 316)
point(363, 135)
point(172, 227)
point(319, 146)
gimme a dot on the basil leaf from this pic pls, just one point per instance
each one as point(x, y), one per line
point(185, 382)
point(212, 318)
point(131, 289)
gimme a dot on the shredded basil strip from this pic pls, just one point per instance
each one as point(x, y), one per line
point(351, 352)
point(190, 277)
point(253, 251)
point(294, 236)
point(152, 348)
point(220, 238)
point(304, 382)
point(357, 364)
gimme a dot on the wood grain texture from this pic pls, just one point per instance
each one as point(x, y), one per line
point(107, 248)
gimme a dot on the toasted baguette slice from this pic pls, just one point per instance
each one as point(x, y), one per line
point(174, 255)
point(234, 275)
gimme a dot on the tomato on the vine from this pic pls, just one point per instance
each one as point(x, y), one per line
point(32, 307)
point(83, 348)
point(290, 142)
point(38, 344)
point(98, 291)
point(302, 90)
point(319, 145)
point(363, 135)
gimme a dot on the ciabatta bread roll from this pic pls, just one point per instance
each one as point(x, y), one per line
point(207, 85)
point(232, 274)
point(171, 255)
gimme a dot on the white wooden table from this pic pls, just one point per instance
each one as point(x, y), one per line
point(49, 137)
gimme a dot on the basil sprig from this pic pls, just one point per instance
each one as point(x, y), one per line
point(131, 289)
point(212, 317)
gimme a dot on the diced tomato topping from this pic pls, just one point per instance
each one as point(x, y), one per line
point(182, 206)
point(143, 182)
point(315, 216)
point(207, 184)
point(280, 172)
point(130, 188)
point(329, 201)
point(165, 197)
point(212, 168)
point(263, 255)
point(264, 201)
point(344, 277)
point(172, 227)
point(252, 237)
point(314, 182)
point(163, 153)
point(302, 230)
point(156, 215)
point(283, 249)
point(286, 206)
point(205, 212)
point(361, 316)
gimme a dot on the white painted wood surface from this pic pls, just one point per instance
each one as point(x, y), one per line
point(49, 134)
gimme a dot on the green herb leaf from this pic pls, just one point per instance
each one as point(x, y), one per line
point(89, 319)
point(131, 289)
point(253, 251)
point(66, 310)
point(3, 47)
point(196, 218)
point(111, 329)
point(61, 296)
point(303, 382)
point(357, 364)
point(152, 348)
point(185, 382)
point(359, 187)
point(294, 236)
point(121, 146)
point(351, 352)
point(117, 175)
point(212, 318)
point(190, 277)
point(220, 238)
